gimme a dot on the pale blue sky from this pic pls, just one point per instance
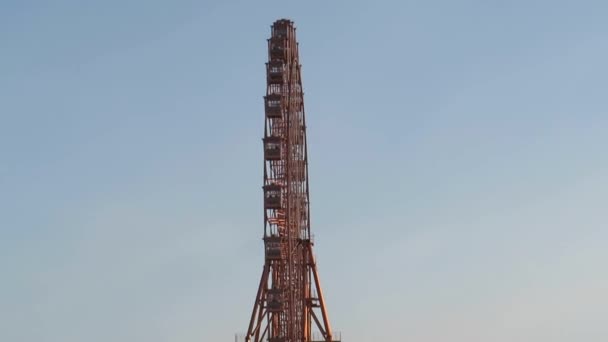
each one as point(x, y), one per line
point(459, 172)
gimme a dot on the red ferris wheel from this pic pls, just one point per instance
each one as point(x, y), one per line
point(289, 305)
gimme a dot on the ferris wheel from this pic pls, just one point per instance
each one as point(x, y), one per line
point(289, 305)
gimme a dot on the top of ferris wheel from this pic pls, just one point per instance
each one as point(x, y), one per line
point(283, 28)
point(283, 22)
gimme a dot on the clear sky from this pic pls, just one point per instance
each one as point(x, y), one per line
point(459, 173)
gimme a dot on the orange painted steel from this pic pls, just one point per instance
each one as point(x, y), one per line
point(289, 297)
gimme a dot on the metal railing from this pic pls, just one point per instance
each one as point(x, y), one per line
point(316, 337)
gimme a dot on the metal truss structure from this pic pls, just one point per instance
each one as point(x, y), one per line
point(289, 305)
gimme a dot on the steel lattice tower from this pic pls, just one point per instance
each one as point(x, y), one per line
point(289, 300)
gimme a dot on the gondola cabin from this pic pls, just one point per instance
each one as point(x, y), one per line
point(273, 106)
point(273, 196)
point(272, 148)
